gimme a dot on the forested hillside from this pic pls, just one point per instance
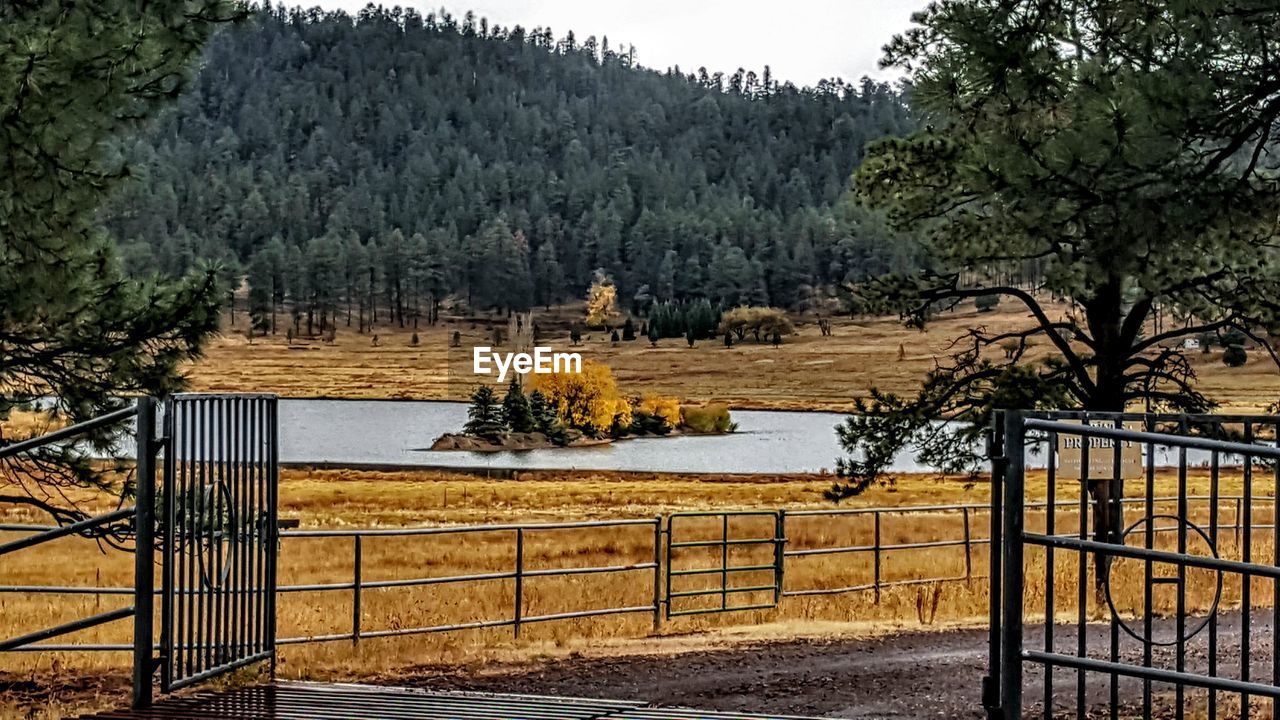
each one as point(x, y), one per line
point(390, 160)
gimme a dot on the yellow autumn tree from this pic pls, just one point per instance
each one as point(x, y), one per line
point(588, 401)
point(667, 408)
point(602, 302)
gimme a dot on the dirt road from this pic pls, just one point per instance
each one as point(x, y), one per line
point(913, 675)
point(901, 676)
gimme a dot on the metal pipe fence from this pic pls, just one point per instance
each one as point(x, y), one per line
point(517, 575)
point(653, 559)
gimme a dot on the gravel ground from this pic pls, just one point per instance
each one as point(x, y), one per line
point(910, 675)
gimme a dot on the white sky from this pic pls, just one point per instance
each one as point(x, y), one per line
point(802, 41)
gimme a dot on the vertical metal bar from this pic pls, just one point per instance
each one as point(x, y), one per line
point(144, 552)
point(201, 428)
point(190, 526)
point(1115, 491)
point(519, 579)
point(273, 531)
point(1082, 635)
point(657, 574)
point(225, 518)
point(875, 554)
point(166, 569)
point(257, 423)
point(216, 531)
point(1275, 583)
point(356, 573)
point(724, 562)
point(1011, 690)
point(1214, 481)
point(1148, 571)
point(1246, 584)
point(991, 690)
point(968, 547)
point(1180, 652)
point(246, 524)
point(779, 554)
point(237, 529)
point(671, 525)
point(1051, 512)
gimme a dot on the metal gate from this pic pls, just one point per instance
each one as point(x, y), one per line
point(724, 561)
point(218, 536)
point(1133, 591)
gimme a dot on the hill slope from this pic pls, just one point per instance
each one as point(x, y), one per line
point(392, 157)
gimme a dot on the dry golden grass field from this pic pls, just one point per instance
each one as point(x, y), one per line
point(807, 372)
point(61, 682)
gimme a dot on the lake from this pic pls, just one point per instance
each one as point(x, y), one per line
point(381, 432)
point(398, 433)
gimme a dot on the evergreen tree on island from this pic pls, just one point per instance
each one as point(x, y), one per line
point(546, 419)
point(516, 411)
point(484, 417)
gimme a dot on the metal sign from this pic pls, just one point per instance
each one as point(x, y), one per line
point(1102, 456)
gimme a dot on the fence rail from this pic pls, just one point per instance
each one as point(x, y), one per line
point(651, 560)
point(138, 521)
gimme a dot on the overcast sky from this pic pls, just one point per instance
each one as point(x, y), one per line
point(802, 41)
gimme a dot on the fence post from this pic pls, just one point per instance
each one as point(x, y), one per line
point(1237, 523)
point(357, 575)
point(519, 578)
point(1011, 630)
point(724, 563)
point(779, 555)
point(875, 550)
point(968, 548)
point(657, 573)
point(144, 553)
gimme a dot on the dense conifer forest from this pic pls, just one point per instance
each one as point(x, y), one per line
point(378, 164)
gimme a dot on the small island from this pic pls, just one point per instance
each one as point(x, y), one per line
point(576, 410)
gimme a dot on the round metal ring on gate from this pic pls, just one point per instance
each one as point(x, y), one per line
point(1188, 633)
point(217, 518)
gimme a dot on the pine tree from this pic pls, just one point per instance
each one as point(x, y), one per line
point(484, 416)
point(79, 80)
point(516, 411)
point(546, 419)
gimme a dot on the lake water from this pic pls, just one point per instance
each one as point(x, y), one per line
point(398, 433)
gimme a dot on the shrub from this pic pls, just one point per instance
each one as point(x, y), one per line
point(1235, 356)
point(709, 418)
point(986, 303)
point(667, 408)
point(761, 322)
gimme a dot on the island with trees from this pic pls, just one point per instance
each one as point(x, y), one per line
point(576, 410)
